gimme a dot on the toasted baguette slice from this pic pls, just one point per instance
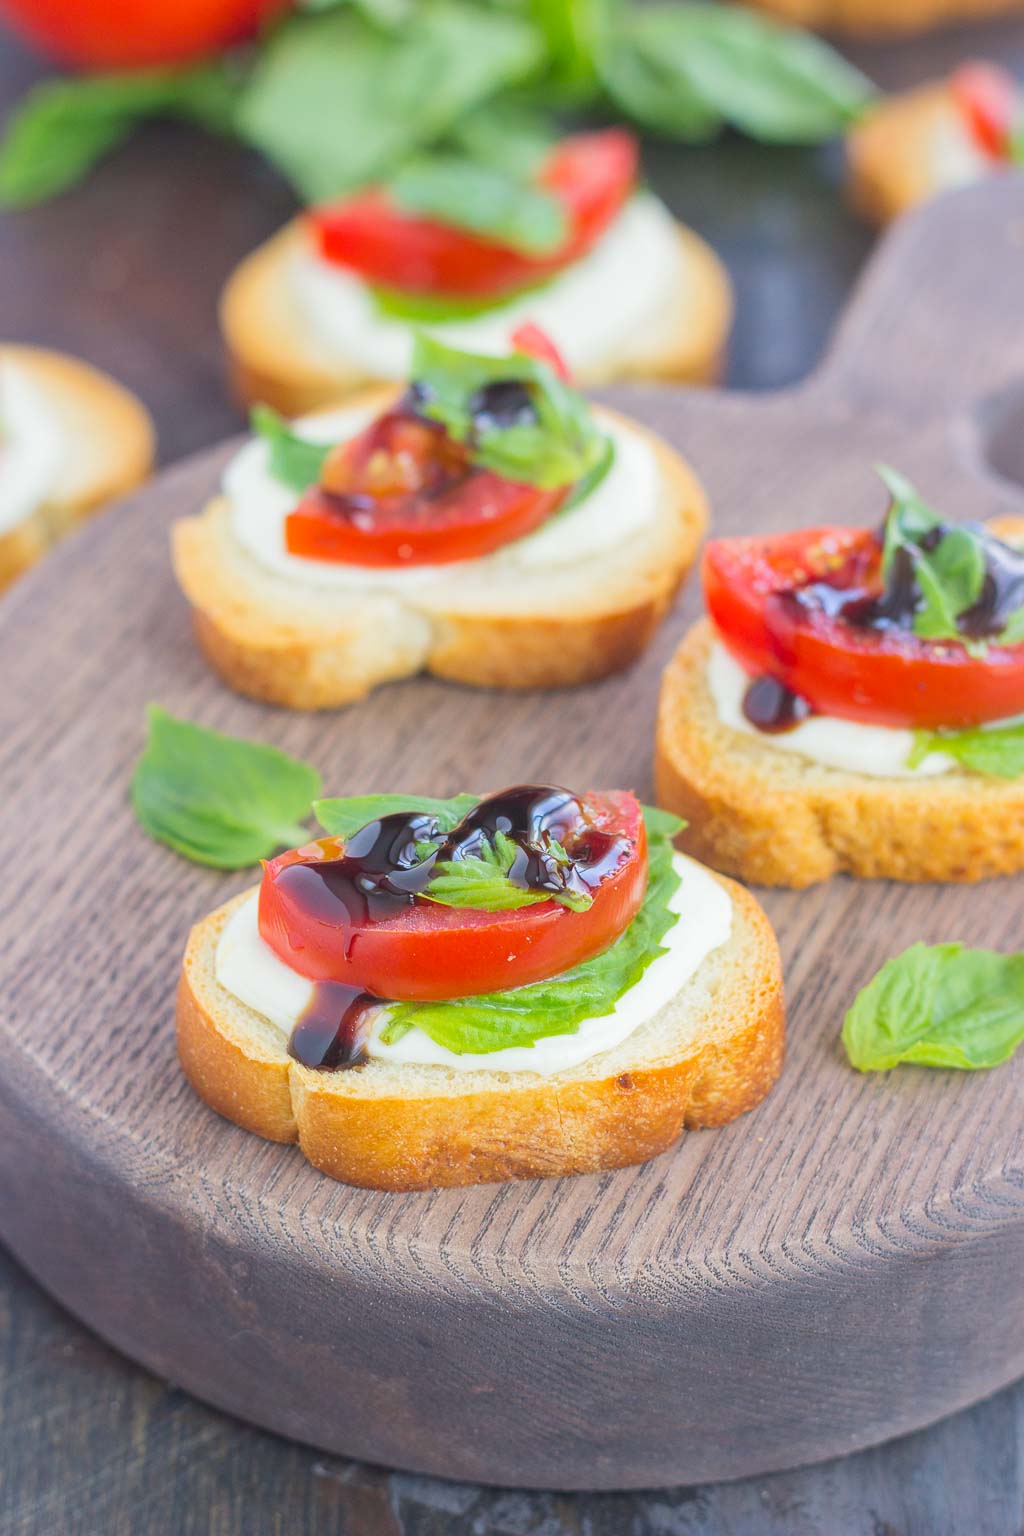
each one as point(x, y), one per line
point(108, 439)
point(708, 1056)
point(775, 818)
point(275, 356)
point(308, 647)
point(894, 154)
point(883, 18)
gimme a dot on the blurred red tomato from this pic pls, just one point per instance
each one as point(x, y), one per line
point(123, 34)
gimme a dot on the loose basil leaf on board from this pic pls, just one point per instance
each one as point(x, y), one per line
point(560, 445)
point(63, 127)
point(345, 817)
point(218, 799)
point(335, 101)
point(687, 69)
point(469, 195)
point(500, 1020)
point(996, 751)
point(938, 1006)
point(293, 460)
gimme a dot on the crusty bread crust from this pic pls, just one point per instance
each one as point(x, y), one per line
point(110, 442)
point(881, 18)
point(774, 818)
point(308, 647)
point(715, 1054)
point(891, 152)
point(275, 357)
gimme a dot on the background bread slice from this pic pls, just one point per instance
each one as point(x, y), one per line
point(777, 819)
point(308, 647)
point(110, 444)
point(882, 18)
point(891, 153)
point(708, 1056)
point(275, 356)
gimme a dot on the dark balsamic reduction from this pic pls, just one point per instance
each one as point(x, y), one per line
point(333, 1029)
point(849, 597)
point(773, 708)
point(384, 868)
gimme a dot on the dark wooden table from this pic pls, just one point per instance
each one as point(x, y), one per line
point(126, 272)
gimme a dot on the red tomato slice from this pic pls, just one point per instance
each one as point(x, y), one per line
point(431, 952)
point(989, 99)
point(529, 338)
point(125, 34)
point(881, 677)
point(591, 174)
point(405, 493)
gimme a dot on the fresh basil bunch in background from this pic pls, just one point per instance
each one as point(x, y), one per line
point(342, 93)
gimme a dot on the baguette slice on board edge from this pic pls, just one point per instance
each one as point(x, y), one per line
point(107, 445)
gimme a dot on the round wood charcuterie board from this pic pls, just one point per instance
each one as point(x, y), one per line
point(841, 1265)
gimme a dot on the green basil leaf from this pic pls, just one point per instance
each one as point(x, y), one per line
point(218, 799)
point(513, 133)
point(335, 101)
point(661, 825)
point(574, 33)
point(949, 576)
point(938, 1006)
point(1013, 630)
point(591, 480)
point(996, 751)
point(727, 65)
point(345, 817)
point(650, 87)
point(428, 309)
point(482, 881)
point(63, 127)
point(294, 460)
point(562, 446)
point(483, 200)
point(559, 1005)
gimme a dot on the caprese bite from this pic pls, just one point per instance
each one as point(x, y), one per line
point(445, 991)
point(486, 524)
point(470, 253)
point(886, 665)
point(939, 136)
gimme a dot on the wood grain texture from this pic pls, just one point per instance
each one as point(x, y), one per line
point(835, 1268)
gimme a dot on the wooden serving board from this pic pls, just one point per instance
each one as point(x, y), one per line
point(837, 1267)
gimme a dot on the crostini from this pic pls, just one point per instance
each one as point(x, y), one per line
point(884, 18)
point(70, 440)
point(457, 992)
point(329, 305)
point(942, 135)
point(854, 702)
point(486, 525)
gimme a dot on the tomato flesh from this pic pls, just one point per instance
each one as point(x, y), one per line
point(127, 34)
point(529, 338)
point(405, 493)
point(590, 174)
point(989, 100)
point(431, 952)
point(882, 677)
